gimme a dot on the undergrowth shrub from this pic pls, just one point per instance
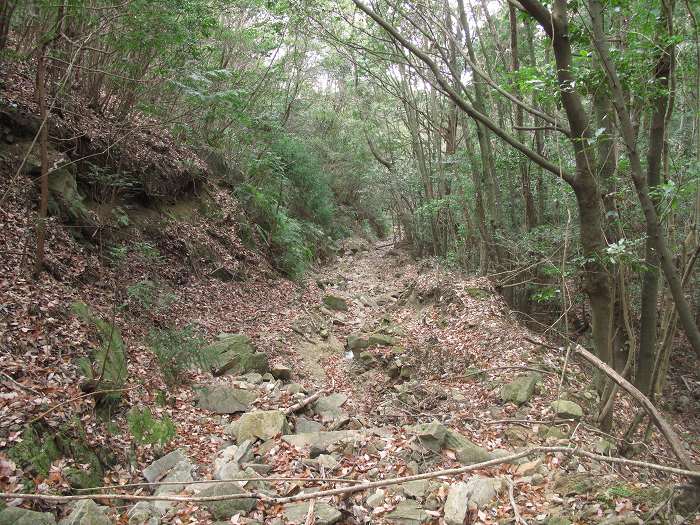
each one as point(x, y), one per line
point(149, 294)
point(148, 430)
point(178, 350)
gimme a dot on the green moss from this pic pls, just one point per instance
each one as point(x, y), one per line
point(33, 454)
point(476, 293)
point(39, 448)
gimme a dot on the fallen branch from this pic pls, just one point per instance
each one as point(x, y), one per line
point(663, 425)
point(692, 474)
point(214, 481)
point(304, 402)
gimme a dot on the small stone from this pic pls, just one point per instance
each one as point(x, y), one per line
point(324, 513)
point(604, 447)
point(254, 378)
point(281, 372)
point(466, 451)
point(142, 513)
point(225, 509)
point(356, 342)
point(567, 409)
point(408, 512)
point(520, 390)
point(483, 490)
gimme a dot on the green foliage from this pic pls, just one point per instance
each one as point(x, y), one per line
point(148, 294)
point(109, 359)
point(179, 350)
point(148, 430)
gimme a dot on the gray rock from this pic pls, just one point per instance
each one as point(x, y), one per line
point(381, 340)
point(567, 409)
point(222, 399)
point(262, 424)
point(408, 512)
point(416, 489)
point(520, 390)
point(335, 303)
point(321, 439)
point(356, 342)
point(160, 467)
point(324, 513)
point(482, 490)
point(328, 407)
point(304, 426)
point(86, 512)
point(237, 355)
point(281, 372)
point(295, 388)
point(604, 447)
point(16, 516)
point(376, 500)
point(225, 509)
point(466, 451)
point(431, 435)
point(143, 513)
point(457, 504)
point(181, 474)
point(254, 378)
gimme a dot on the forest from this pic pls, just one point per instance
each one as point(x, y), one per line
point(349, 261)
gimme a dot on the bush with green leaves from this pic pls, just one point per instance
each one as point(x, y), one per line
point(178, 350)
point(148, 430)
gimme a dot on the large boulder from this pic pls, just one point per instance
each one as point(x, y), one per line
point(86, 512)
point(324, 513)
point(225, 509)
point(15, 516)
point(520, 390)
point(222, 399)
point(261, 424)
point(237, 355)
point(567, 409)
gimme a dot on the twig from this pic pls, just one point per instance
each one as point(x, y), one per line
point(28, 389)
point(497, 368)
point(301, 404)
point(310, 515)
point(693, 474)
point(513, 505)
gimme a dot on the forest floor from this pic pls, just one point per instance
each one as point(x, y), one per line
point(444, 347)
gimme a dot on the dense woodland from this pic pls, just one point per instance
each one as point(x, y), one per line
point(552, 147)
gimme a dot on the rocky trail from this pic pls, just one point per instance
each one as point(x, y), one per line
point(398, 369)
